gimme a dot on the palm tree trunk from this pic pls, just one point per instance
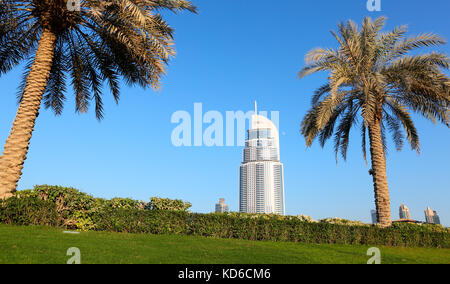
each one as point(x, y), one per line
point(382, 201)
point(16, 147)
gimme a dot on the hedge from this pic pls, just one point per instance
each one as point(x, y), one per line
point(75, 209)
point(238, 226)
point(28, 211)
point(70, 208)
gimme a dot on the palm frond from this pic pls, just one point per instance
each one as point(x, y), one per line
point(54, 95)
point(364, 141)
point(402, 114)
point(346, 124)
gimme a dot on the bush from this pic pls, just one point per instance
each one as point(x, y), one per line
point(340, 221)
point(141, 221)
point(69, 208)
point(76, 210)
point(266, 228)
point(168, 204)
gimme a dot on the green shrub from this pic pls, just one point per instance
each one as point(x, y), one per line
point(265, 228)
point(28, 210)
point(340, 221)
point(69, 208)
point(124, 203)
point(76, 209)
point(141, 221)
point(168, 204)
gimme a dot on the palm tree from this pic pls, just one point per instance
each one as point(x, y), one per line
point(373, 83)
point(97, 44)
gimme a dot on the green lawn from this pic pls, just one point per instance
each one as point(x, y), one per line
point(49, 245)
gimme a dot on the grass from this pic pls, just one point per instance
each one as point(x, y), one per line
point(49, 245)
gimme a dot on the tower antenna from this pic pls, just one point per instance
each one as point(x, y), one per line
point(256, 108)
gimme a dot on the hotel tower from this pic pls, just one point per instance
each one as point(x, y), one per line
point(261, 186)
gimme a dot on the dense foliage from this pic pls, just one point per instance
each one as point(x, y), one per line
point(69, 208)
point(270, 228)
point(169, 204)
point(77, 210)
point(28, 211)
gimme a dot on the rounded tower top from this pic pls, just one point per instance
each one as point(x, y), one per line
point(262, 122)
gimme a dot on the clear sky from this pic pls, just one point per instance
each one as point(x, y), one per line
point(232, 53)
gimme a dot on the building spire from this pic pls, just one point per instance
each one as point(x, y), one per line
point(256, 108)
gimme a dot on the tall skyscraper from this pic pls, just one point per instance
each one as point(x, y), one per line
point(374, 216)
point(261, 177)
point(431, 217)
point(404, 213)
point(222, 207)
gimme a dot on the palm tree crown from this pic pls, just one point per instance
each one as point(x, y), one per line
point(373, 80)
point(93, 44)
point(103, 41)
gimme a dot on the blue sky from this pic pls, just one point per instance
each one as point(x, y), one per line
point(232, 53)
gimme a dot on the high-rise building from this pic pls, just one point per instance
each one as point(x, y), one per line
point(261, 177)
point(404, 213)
point(374, 216)
point(431, 217)
point(222, 207)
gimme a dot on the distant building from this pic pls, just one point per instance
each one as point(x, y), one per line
point(405, 216)
point(431, 217)
point(374, 216)
point(221, 207)
point(404, 213)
